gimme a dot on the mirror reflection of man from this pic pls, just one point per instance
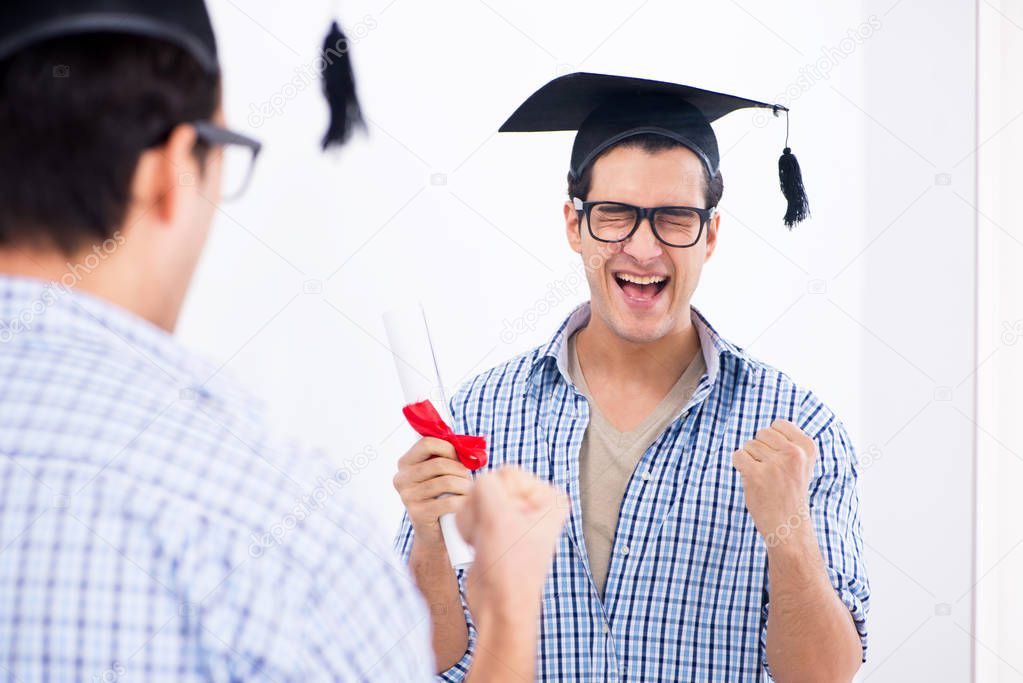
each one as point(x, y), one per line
point(714, 530)
point(151, 527)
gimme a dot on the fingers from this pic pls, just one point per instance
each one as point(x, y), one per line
point(742, 460)
point(760, 451)
point(438, 507)
point(524, 489)
point(795, 435)
point(426, 448)
point(530, 493)
point(430, 469)
point(431, 488)
point(434, 467)
point(445, 484)
point(773, 438)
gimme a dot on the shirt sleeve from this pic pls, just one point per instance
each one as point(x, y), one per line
point(389, 644)
point(328, 603)
point(834, 508)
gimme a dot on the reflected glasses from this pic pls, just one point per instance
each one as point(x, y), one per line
point(674, 226)
point(237, 152)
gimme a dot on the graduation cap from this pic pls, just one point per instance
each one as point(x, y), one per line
point(607, 109)
point(184, 23)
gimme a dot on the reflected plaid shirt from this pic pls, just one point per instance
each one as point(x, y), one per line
point(152, 530)
point(686, 597)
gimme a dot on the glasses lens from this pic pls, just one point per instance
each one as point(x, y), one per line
point(236, 167)
point(612, 222)
point(678, 226)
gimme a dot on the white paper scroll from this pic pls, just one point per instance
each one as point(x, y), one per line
point(409, 338)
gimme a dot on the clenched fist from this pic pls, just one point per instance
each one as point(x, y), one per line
point(776, 468)
point(429, 469)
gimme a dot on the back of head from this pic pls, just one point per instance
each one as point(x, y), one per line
point(79, 111)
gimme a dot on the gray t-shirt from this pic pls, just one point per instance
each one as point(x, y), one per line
point(608, 458)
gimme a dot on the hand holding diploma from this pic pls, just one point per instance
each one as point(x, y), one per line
point(427, 471)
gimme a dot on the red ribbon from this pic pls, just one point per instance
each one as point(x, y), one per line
point(424, 418)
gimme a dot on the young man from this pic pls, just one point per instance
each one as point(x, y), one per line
point(151, 527)
point(713, 531)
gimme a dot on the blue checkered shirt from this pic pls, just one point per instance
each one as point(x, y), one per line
point(153, 529)
point(686, 597)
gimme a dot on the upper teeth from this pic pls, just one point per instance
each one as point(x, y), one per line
point(642, 280)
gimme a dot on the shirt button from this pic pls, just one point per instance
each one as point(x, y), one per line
point(646, 476)
point(606, 629)
point(625, 550)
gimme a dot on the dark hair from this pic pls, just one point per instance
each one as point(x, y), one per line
point(76, 114)
point(713, 188)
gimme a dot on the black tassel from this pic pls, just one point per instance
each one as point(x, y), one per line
point(339, 88)
point(792, 187)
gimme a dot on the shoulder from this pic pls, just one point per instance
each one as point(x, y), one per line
point(755, 380)
point(506, 381)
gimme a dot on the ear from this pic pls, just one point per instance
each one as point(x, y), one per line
point(712, 234)
point(572, 228)
point(167, 178)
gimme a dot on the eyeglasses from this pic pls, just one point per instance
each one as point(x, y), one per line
point(237, 152)
point(675, 226)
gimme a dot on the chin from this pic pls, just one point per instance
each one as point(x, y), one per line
point(638, 329)
point(642, 333)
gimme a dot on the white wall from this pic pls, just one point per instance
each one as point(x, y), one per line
point(919, 353)
point(999, 431)
point(871, 303)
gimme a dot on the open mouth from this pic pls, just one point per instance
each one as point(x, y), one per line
point(641, 290)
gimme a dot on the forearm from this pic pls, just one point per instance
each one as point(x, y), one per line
point(810, 634)
point(436, 580)
point(506, 646)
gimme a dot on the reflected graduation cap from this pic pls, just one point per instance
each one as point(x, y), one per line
point(607, 109)
point(185, 23)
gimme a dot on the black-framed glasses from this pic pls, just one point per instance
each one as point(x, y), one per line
point(238, 156)
point(675, 226)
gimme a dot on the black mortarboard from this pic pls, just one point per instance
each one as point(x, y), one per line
point(608, 109)
point(184, 23)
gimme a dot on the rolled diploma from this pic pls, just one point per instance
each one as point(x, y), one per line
point(409, 339)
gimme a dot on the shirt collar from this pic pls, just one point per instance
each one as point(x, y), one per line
point(555, 351)
point(52, 313)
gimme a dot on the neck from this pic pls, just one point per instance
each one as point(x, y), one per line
point(657, 364)
point(92, 270)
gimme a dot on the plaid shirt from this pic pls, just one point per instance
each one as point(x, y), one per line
point(151, 529)
point(686, 595)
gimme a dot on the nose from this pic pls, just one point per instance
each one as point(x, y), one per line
point(643, 245)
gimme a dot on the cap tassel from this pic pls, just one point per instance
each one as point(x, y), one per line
point(791, 178)
point(792, 187)
point(339, 88)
